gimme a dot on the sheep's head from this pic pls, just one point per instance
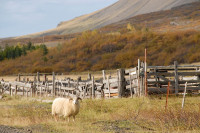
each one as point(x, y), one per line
point(75, 100)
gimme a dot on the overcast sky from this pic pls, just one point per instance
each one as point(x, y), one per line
point(21, 17)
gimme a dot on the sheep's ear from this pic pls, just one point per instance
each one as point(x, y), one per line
point(79, 98)
point(71, 99)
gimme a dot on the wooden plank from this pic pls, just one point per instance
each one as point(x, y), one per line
point(21, 84)
point(132, 76)
point(189, 73)
point(111, 85)
point(113, 94)
point(64, 88)
point(171, 69)
point(127, 71)
point(160, 74)
point(190, 78)
point(111, 91)
point(113, 80)
point(165, 82)
point(164, 90)
point(172, 66)
point(129, 86)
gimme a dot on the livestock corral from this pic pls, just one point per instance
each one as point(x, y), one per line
point(26, 102)
point(139, 81)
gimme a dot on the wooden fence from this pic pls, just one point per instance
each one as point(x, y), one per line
point(138, 81)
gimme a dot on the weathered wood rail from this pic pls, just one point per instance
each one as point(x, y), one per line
point(125, 83)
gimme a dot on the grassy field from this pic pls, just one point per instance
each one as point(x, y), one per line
point(109, 116)
point(73, 75)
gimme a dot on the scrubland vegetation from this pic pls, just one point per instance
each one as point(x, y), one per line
point(112, 115)
point(93, 50)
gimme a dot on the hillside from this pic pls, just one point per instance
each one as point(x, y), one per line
point(185, 17)
point(121, 10)
point(93, 51)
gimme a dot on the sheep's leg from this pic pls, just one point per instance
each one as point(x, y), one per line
point(68, 119)
point(73, 118)
point(55, 118)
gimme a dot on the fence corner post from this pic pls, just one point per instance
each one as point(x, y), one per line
point(121, 84)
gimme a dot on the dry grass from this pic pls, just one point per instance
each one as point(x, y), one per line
point(114, 115)
point(74, 75)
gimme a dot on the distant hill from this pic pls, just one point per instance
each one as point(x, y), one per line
point(184, 17)
point(121, 10)
point(180, 18)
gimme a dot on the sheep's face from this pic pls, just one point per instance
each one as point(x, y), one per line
point(75, 101)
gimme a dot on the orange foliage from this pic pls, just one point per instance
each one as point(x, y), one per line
point(96, 51)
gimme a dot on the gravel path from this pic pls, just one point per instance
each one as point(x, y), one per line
point(7, 129)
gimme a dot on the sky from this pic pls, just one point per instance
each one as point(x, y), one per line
point(22, 17)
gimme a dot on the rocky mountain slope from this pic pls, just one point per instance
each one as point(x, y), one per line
point(121, 10)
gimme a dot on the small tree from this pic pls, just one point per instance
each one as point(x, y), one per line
point(24, 50)
point(129, 27)
point(18, 51)
point(29, 45)
point(44, 49)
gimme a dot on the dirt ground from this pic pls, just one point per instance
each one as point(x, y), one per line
point(8, 129)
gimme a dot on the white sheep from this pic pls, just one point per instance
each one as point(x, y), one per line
point(66, 107)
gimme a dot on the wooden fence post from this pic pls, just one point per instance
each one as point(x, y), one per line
point(104, 74)
point(85, 90)
point(10, 88)
point(145, 74)
point(26, 92)
point(184, 95)
point(138, 77)
point(40, 91)
point(19, 77)
point(93, 91)
point(108, 83)
point(176, 77)
point(23, 91)
point(131, 91)
point(34, 88)
point(35, 80)
point(15, 90)
point(121, 87)
point(53, 80)
point(45, 78)
point(167, 96)
point(31, 89)
point(89, 76)
point(1, 87)
point(38, 76)
point(69, 83)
